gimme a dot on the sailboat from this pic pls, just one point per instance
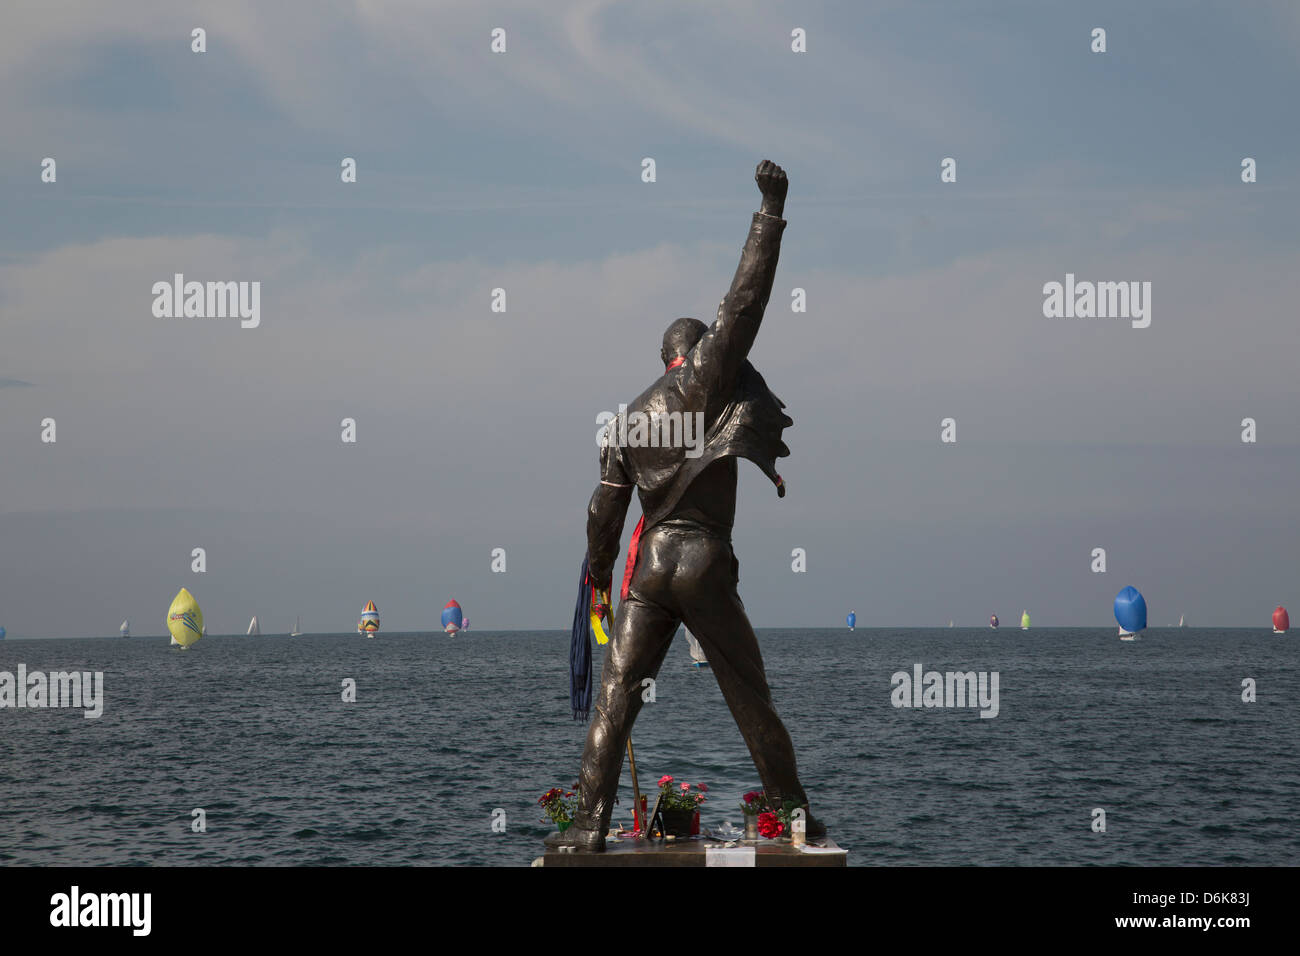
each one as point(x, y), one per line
point(851, 620)
point(2, 633)
point(950, 622)
point(1024, 620)
point(1281, 620)
point(184, 619)
point(297, 627)
point(369, 622)
point(125, 628)
point(1182, 622)
point(697, 652)
point(452, 617)
point(993, 622)
point(253, 629)
point(1130, 613)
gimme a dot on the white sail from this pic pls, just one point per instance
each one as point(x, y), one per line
point(297, 627)
point(1182, 620)
point(125, 628)
point(697, 652)
point(253, 629)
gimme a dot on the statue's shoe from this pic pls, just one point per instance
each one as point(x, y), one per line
point(584, 841)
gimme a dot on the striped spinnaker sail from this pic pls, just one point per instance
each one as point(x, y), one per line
point(369, 618)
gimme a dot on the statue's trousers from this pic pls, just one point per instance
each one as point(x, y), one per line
point(690, 576)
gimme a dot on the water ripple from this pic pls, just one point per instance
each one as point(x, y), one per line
point(444, 734)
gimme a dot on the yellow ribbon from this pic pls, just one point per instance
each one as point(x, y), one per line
point(596, 628)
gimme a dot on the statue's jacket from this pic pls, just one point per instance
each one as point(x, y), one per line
point(742, 418)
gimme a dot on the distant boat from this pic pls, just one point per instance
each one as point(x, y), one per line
point(369, 622)
point(465, 625)
point(1024, 620)
point(2, 633)
point(184, 619)
point(950, 622)
point(851, 620)
point(175, 643)
point(697, 652)
point(993, 621)
point(297, 627)
point(205, 630)
point(125, 629)
point(1281, 620)
point(452, 617)
point(1130, 613)
point(1181, 620)
point(254, 630)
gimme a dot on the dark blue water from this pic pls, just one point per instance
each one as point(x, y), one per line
point(446, 730)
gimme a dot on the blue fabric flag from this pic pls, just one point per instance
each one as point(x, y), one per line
point(580, 649)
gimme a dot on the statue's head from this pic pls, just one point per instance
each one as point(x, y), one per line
point(681, 338)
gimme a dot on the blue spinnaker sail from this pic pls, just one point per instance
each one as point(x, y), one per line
point(1131, 610)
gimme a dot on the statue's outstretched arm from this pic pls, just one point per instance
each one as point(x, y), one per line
point(717, 358)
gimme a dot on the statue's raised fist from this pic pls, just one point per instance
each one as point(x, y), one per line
point(771, 180)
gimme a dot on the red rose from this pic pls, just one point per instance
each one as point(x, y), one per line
point(751, 796)
point(769, 826)
point(702, 788)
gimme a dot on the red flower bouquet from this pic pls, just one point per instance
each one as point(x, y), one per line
point(558, 805)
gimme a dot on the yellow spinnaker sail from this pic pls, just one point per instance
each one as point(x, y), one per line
point(184, 619)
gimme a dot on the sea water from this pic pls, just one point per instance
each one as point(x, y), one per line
point(449, 736)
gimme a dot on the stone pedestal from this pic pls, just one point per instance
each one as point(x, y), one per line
point(699, 852)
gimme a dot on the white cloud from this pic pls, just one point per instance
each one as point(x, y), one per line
point(419, 352)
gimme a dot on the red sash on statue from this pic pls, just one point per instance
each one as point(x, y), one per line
point(631, 558)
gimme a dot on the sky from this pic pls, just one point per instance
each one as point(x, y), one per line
point(522, 170)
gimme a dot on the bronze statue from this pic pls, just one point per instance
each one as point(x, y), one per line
point(681, 567)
